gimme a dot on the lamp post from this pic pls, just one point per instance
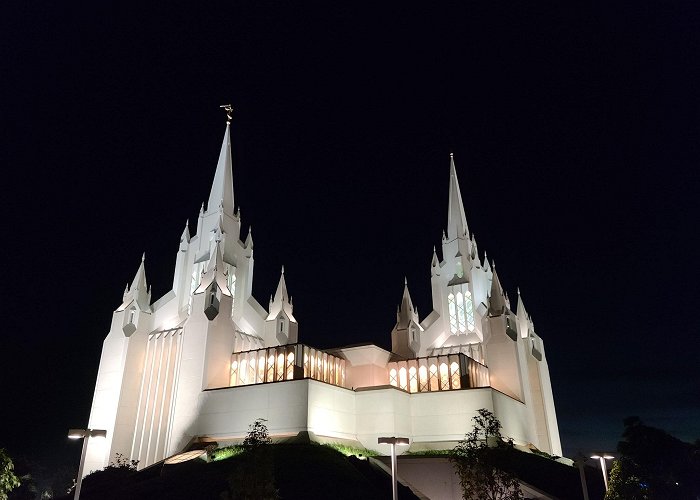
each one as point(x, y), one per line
point(602, 457)
point(394, 442)
point(85, 435)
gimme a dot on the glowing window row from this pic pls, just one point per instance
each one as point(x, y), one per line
point(276, 364)
point(322, 366)
point(438, 373)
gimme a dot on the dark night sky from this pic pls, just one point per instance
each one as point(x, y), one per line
point(575, 130)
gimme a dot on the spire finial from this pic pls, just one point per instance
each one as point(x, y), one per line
point(452, 155)
point(143, 256)
point(282, 268)
point(405, 280)
point(229, 112)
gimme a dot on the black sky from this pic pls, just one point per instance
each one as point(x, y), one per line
point(574, 126)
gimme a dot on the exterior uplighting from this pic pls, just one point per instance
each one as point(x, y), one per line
point(85, 435)
point(394, 442)
point(602, 457)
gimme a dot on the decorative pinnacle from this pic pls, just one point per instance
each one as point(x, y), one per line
point(452, 155)
point(143, 256)
point(229, 112)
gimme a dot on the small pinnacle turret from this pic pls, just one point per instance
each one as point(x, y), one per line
point(281, 301)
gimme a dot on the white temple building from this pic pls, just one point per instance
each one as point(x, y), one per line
point(206, 359)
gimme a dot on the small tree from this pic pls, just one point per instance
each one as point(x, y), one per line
point(8, 480)
point(477, 458)
point(258, 435)
point(254, 476)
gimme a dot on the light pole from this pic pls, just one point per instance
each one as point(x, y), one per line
point(393, 441)
point(602, 457)
point(85, 434)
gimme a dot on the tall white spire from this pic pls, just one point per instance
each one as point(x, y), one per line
point(456, 219)
point(222, 188)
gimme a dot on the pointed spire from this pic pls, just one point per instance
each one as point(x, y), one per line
point(222, 188)
point(497, 300)
point(456, 219)
point(521, 312)
point(186, 232)
point(281, 300)
point(139, 282)
point(281, 292)
point(406, 312)
point(487, 265)
point(249, 238)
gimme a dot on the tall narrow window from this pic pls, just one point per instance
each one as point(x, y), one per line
point(234, 373)
point(392, 377)
point(412, 380)
point(132, 315)
point(243, 371)
point(231, 282)
point(434, 385)
point(403, 382)
point(444, 377)
point(290, 366)
point(423, 378)
point(454, 375)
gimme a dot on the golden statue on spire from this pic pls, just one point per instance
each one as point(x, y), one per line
point(229, 112)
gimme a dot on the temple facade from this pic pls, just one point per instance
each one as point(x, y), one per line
point(205, 360)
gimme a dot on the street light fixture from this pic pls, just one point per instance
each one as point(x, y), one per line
point(602, 457)
point(85, 435)
point(394, 442)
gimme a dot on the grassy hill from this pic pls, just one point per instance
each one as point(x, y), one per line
point(297, 471)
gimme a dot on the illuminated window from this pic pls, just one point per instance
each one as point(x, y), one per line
point(444, 377)
point(453, 313)
point(261, 368)
point(403, 383)
point(234, 373)
point(243, 371)
point(469, 306)
point(434, 385)
point(280, 367)
point(251, 371)
point(306, 363)
point(423, 378)
point(460, 271)
point(231, 281)
point(290, 366)
point(461, 311)
point(270, 369)
point(392, 377)
point(412, 380)
point(454, 371)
